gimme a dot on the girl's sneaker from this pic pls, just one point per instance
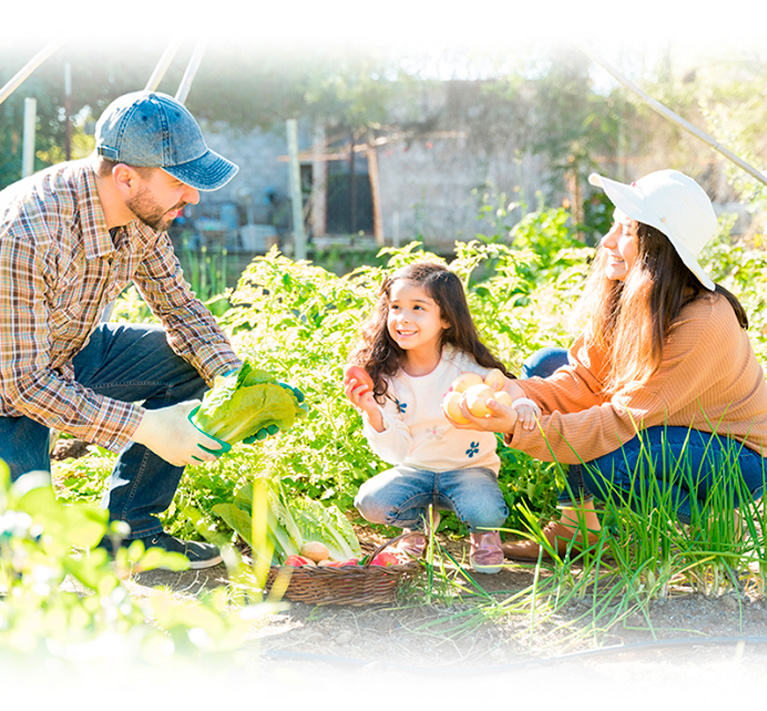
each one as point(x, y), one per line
point(486, 553)
point(414, 546)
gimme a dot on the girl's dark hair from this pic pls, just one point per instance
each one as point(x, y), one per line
point(380, 356)
point(630, 320)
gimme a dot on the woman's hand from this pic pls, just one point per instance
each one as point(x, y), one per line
point(502, 418)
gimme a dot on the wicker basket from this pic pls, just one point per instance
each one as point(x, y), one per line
point(350, 585)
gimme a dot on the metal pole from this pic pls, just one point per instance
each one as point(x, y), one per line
point(28, 68)
point(375, 190)
point(28, 149)
point(352, 191)
point(295, 190)
point(675, 118)
point(191, 70)
point(67, 110)
point(162, 65)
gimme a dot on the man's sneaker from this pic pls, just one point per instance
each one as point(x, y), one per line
point(486, 553)
point(200, 555)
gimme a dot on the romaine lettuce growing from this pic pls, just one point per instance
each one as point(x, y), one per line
point(242, 403)
point(291, 521)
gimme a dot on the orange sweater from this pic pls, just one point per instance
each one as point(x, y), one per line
point(709, 380)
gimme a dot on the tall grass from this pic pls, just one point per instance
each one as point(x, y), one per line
point(642, 553)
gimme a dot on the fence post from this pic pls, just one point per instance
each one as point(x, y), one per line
point(295, 190)
point(319, 181)
point(375, 189)
point(28, 145)
point(68, 110)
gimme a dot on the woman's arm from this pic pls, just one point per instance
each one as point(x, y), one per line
point(686, 390)
point(689, 389)
point(572, 387)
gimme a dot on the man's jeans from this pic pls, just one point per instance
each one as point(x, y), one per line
point(401, 497)
point(678, 465)
point(132, 363)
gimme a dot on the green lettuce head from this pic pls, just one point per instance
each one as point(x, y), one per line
point(242, 403)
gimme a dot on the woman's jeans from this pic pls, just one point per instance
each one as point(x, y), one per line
point(132, 363)
point(401, 497)
point(683, 467)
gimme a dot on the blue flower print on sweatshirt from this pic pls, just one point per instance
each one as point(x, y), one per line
point(473, 449)
point(401, 406)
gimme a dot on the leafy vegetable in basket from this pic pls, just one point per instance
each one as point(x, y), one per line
point(244, 403)
point(291, 522)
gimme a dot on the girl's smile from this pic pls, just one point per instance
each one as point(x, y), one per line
point(414, 320)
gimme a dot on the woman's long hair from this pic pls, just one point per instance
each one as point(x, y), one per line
point(630, 320)
point(377, 351)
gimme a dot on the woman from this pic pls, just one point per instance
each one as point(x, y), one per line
point(661, 382)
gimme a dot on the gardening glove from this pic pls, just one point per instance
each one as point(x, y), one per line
point(264, 432)
point(299, 395)
point(225, 446)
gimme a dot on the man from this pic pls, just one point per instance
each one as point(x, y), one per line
point(71, 238)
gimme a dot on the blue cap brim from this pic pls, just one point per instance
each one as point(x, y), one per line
point(210, 171)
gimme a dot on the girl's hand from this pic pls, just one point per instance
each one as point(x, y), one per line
point(527, 411)
point(502, 418)
point(360, 395)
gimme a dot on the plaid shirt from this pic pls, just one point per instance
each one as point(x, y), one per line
point(59, 268)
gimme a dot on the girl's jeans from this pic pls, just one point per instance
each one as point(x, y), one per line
point(132, 363)
point(401, 497)
point(677, 465)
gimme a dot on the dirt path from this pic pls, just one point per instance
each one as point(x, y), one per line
point(457, 652)
point(687, 648)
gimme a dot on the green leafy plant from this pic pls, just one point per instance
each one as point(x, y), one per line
point(291, 521)
point(207, 275)
point(45, 543)
point(242, 403)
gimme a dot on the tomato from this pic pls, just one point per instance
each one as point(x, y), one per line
point(341, 563)
point(297, 561)
point(385, 559)
point(354, 372)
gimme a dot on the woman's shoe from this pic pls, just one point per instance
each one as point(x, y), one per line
point(486, 554)
point(559, 536)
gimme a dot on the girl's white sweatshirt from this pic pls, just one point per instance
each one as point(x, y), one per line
point(417, 434)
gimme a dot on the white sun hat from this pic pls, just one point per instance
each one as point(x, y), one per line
point(673, 203)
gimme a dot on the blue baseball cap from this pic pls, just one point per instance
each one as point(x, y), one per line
point(147, 129)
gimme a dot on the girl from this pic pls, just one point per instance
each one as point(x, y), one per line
point(663, 370)
point(418, 340)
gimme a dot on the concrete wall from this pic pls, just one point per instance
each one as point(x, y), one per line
point(257, 153)
point(433, 171)
point(434, 188)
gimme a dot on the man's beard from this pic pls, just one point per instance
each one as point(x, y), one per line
point(149, 212)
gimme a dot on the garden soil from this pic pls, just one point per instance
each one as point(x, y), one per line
point(462, 650)
point(688, 647)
